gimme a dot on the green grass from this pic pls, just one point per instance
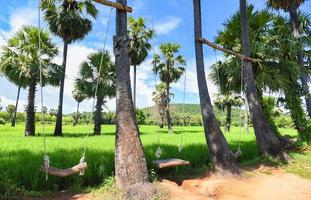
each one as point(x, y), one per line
point(21, 157)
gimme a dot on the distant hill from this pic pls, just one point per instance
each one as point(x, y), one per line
point(193, 110)
point(190, 109)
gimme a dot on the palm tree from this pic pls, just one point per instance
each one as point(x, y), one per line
point(130, 161)
point(273, 43)
point(160, 99)
point(15, 79)
point(79, 97)
point(170, 68)
point(226, 102)
point(267, 141)
point(67, 19)
point(292, 6)
point(221, 156)
point(90, 71)
point(139, 44)
point(21, 57)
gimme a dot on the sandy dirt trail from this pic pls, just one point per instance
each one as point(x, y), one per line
point(260, 184)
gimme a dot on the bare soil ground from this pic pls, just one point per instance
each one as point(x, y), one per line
point(261, 183)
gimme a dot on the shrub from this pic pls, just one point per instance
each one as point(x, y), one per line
point(2, 121)
point(284, 121)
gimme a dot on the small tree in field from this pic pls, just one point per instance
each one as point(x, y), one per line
point(160, 99)
point(79, 97)
point(10, 110)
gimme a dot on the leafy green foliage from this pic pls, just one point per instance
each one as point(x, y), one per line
point(139, 40)
point(70, 20)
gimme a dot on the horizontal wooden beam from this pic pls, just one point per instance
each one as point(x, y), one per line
point(116, 5)
point(214, 46)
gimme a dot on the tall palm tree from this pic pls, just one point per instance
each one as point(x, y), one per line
point(71, 21)
point(89, 74)
point(273, 43)
point(21, 57)
point(139, 44)
point(170, 68)
point(267, 141)
point(79, 97)
point(226, 102)
point(130, 161)
point(221, 156)
point(292, 6)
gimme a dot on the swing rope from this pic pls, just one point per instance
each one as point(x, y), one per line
point(82, 164)
point(218, 80)
point(96, 89)
point(183, 112)
point(46, 158)
point(241, 114)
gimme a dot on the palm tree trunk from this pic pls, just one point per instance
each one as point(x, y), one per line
point(168, 116)
point(16, 105)
point(304, 77)
point(246, 127)
point(293, 103)
point(59, 120)
point(221, 156)
point(268, 143)
point(30, 110)
point(98, 115)
point(77, 115)
point(134, 87)
point(228, 117)
point(130, 162)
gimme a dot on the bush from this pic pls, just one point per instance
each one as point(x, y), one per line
point(284, 121)
point(2, 121)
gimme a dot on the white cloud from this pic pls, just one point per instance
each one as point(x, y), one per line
point(23, 17)
point(167, 26)
point(7, 101)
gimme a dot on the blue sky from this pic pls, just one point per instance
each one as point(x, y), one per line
point(173, 22)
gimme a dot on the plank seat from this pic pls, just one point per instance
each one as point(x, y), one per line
point(173, 162)
point(65, 172)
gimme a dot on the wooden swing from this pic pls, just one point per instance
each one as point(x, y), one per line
point(81, 167)
point(173, 162)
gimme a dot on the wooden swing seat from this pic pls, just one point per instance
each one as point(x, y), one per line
point(173, 162)
point(65, 172)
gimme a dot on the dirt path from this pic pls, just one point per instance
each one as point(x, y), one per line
point(260, 184)
point(263, 183)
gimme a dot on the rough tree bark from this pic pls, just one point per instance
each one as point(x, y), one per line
point(130, 162)
point(16, 105)
point(98, 115)
point(59, 120)
point(221, 155)
point(30, 128)
point(268, 143)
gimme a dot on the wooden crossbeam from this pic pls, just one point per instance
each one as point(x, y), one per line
point(214, 46)
point(115, 5)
